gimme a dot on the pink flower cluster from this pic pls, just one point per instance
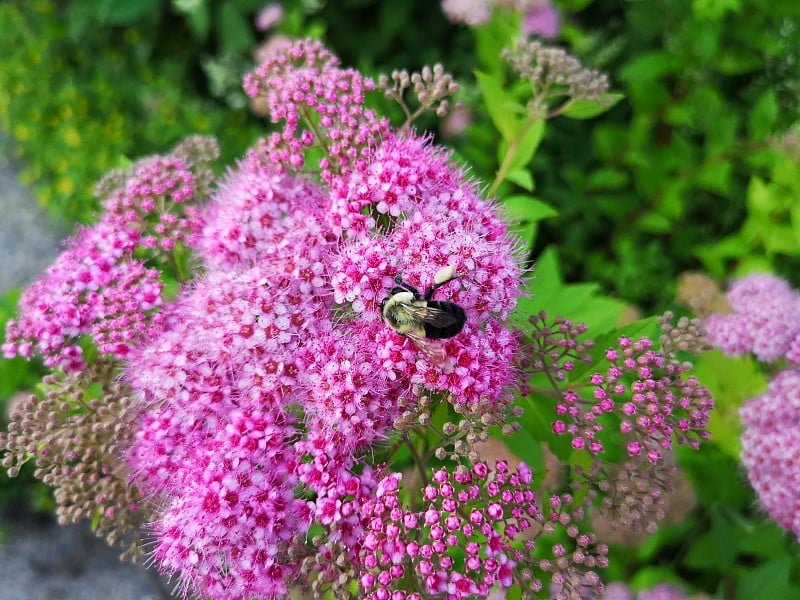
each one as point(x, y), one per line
point(771, 448)
point(273, 373)
point(100, 286)
point(303, 83)
point(765, 320)
point(479, 510)
point(649, 393)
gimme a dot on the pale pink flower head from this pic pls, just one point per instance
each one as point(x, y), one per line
point(771, 448)
point(269, 16)
point(467, 12)
point(766, 318)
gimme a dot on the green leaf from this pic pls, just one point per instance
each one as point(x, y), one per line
point(762, 117)
point(715, 549)
point(528, 208)
point(579, 302)
point(731, 381)
point(503, 109)
point(764, 539)
point(587, 109)
point(716, 477)
point(525, 146)
point(197, 14)
point(770, 580)
point(234, 30)
point(527, 448)
point(522, 178)
point(649, 67)
point(125, 13)
point(608, 179)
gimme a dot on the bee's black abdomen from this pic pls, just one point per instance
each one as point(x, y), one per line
point(436, 332)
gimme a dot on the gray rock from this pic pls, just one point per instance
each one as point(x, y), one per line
point(40, 560)
point(28, 239)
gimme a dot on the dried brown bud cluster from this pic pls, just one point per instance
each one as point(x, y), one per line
point(687, 335)
point(701, 294)
point(458, 439)
point(552, 72)
point(76, 439)
point(432, 86)
point(630, 523)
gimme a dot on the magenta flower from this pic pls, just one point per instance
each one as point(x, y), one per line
point(656, 403)
point(100, 286)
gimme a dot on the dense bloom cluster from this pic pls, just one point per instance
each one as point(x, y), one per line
point(274, 371)
point(765, 320)
point(655, 401)
point(771, 448)
point(100, 286)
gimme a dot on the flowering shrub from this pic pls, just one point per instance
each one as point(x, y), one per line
point(263, 422)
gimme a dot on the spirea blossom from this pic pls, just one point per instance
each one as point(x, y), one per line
point(273, 372)
point(771, 448)
point(765, 320)
point(100, 286)
point(399, 540)
point(655, 401)
point(304, 78)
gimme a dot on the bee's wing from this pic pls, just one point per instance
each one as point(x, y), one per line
point(438, 318)
point(432, 350)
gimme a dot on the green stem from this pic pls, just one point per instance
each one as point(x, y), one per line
point(417, 458)
point(508, 160)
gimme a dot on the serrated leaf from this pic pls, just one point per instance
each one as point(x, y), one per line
point(503, 108)
point(588, 109)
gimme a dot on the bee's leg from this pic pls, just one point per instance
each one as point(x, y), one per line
point(409, 288)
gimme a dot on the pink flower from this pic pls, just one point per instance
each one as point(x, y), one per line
point(467, 12)
point(269, 16)
point(771, 448)
point(766, 320)
point(542, 20)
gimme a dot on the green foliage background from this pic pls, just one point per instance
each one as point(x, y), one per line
point(682, 174)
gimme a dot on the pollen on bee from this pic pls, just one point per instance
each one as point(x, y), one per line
point(444, 274)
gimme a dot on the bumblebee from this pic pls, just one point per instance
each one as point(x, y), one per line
point(421, 318)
